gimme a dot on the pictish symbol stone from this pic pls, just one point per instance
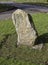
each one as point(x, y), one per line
point(25, 31)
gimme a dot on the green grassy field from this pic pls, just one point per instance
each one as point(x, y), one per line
point(26, 0)
point(10, 55)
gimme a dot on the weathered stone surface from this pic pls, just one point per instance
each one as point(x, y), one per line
point(24, 28)
point(39, 46)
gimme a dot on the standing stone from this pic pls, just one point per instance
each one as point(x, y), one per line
point(25, 30)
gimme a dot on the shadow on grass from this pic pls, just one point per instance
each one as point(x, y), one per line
point(32, 23)
point(9, 38)
point(5, 7)
point(42, 39)
point(4, 40)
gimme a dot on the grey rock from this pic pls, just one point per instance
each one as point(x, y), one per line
point(24, 28)
point(39, 46)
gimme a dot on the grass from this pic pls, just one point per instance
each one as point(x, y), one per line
point(41, 1)
point(10, 55)
point(41, 22)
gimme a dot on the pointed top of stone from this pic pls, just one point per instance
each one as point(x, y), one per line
point(21, 12)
